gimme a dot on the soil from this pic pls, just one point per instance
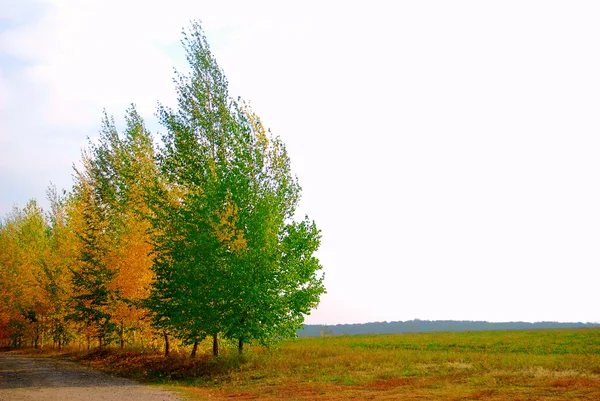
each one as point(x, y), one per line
point(29, 378)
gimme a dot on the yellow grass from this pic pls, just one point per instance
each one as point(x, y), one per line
point(500, 365)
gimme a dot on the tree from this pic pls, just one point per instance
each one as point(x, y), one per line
point(203, 234)
point(230, 259)
point(91, 276)
point(129, 162)
point(25, 240)
point(11, 288)
point(55, 268)
point(115, 248)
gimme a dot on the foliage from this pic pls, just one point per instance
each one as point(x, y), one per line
point(229, 258)
point(197, 240)
point(24, 297)
point(91, 275)
point(113, 274)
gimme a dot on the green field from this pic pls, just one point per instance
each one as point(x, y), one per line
point(495, 365)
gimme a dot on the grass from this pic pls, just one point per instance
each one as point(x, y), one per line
point(495, 365)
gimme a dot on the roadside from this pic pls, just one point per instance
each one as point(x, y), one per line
point(33, 378)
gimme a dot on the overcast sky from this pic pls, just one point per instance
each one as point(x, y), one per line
point(448, 150)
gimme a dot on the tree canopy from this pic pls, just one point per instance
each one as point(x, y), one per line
point(231, 258)
point(194, 238)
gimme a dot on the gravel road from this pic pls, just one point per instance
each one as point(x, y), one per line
point(28, 378)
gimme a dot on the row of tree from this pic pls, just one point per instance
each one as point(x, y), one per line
point(191, 239)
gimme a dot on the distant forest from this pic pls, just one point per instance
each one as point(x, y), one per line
point(422, 326)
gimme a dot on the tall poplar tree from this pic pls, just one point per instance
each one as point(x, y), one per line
point(134, 252)
point(229, 257)
point(55, 266)
point(114, 231)
point(23, 242)
point(91, 276)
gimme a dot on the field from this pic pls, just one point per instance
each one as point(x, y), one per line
point(496, 365)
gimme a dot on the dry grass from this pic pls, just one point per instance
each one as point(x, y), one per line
point(509, 365)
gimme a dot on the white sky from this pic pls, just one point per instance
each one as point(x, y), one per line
point(448, 150)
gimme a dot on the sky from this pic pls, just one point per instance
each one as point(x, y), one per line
point(448, 150)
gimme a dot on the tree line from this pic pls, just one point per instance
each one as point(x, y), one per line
point(189, 239)
point(427, 326)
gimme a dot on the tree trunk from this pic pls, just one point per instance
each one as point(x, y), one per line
point(241, 346)
point(166, 342)
point(216, 344)
point(194, 349)
point(122, 335)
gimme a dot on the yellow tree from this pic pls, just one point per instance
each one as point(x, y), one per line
point(10, 286)
point(56, 264)
point(130, 161)
point(111, 197)
point(33, 241)
point(25, 239)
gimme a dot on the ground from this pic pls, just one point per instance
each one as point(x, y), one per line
point(29, 378)
point(549, 365)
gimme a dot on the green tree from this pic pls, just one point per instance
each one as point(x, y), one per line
point(91, 276)
point(276, 281)
point(230, 259)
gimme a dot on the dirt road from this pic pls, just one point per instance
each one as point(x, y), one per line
point(27, 378)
